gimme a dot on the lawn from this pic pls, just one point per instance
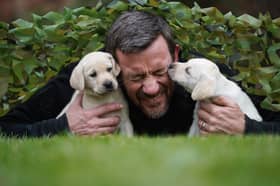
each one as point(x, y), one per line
point(143, 161)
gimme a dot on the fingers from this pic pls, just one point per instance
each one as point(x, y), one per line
point(211, 111)
point(97, 131)
point(97, 126)
point(222, 115)
point(112, 121)
point(223, 101)
point(206, 128)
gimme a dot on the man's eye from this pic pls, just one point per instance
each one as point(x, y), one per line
point(109, 69)
point(136, 77)
point(160, 72)
point(93, 74)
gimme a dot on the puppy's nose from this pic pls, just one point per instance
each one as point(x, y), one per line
point(171, 65)
point(108, 85)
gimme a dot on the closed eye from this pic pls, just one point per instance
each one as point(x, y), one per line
point(160, 72)
point(137, 77)
point(187, 70)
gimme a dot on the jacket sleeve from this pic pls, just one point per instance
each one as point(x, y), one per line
point(37, 116)
point(265, 127)
point(270, 123)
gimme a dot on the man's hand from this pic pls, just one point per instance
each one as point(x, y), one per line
point(92, 121)
point(220, 115)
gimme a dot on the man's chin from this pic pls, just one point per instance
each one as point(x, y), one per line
point(155, 113)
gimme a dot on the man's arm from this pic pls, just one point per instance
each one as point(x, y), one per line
point(271, 126)
point(36, 116)
point(37, 129)
point(223, 115)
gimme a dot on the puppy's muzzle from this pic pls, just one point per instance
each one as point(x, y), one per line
point(108, 85)
point(171, 70)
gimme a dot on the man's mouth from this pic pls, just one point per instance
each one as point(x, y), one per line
point(153, 101)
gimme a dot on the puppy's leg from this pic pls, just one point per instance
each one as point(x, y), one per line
point(67, 106)
point(194, 129)
point(126, 128)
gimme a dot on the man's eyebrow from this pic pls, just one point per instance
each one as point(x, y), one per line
point(136, 73)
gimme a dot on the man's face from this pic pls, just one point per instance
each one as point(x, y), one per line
point(145, 77)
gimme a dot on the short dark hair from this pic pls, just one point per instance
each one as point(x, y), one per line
point(134, 31)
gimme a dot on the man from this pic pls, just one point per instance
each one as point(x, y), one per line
point(143, 46)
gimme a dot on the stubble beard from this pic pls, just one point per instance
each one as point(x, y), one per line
point(154, 107)
point(157, 112)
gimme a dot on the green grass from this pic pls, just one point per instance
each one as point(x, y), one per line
point(143, 161)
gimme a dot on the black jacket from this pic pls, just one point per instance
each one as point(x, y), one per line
point(37, 116)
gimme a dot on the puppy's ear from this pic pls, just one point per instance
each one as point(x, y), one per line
point(77, 80)
point(205, 88)
point(116, 67)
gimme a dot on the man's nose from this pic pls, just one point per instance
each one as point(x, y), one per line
point(150, 86)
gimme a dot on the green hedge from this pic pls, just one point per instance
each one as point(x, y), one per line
point(31, 52)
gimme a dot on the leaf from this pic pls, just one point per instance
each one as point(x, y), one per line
point(24, 35)
point(213, 13)
point(267, 104)
point(54, 17)
point(22, 23)
point(274, 30)
point(252, 21)
point(273, 54)
point(36, 18)
point(275, 82)
point(268, 70)
point(18, 71)
point(3, 85)
point(117, 5)
point(94, 44)
point(265, 85)
point(83, 11)
point(30, 64)
point(154, 3)
point(138, 2)
point(86, 21)
point(4, 70)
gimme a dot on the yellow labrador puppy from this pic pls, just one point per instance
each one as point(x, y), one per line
point(95, 75)
point(203, 80)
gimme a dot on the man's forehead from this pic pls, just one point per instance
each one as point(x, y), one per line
point(144, 67)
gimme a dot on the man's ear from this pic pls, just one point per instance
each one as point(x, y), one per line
point(77, 79)
point(205, 88)
point(176, 52)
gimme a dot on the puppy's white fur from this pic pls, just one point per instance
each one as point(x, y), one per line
point(203, 80)
point(95, 75)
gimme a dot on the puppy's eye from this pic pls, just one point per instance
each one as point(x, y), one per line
point(109, 69)
point(93, 74)
point(187, 70)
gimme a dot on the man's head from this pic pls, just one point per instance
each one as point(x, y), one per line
point(134, 31)
point(143, 45)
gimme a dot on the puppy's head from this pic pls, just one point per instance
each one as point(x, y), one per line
point(96, 72)
point(198, 76)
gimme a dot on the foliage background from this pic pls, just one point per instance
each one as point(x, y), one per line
point(31, 52)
